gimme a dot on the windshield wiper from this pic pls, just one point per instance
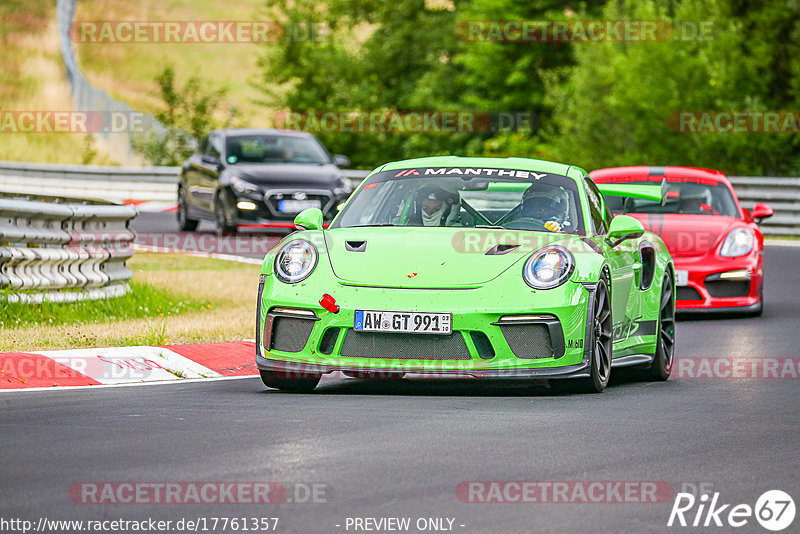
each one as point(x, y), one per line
point(490, 227)
point(374, 224)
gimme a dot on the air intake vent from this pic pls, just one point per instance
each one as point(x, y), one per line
point(404, 346)
point(687, 293)
point(528, 341)
point(355, 246)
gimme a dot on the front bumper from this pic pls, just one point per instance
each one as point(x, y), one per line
point(253, 210)
point(708, 291)
point(486, 341)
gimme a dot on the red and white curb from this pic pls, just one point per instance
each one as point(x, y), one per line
point(126, 365)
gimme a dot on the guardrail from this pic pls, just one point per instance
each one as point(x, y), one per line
point(782, 195)
point(63, 249)
point(158, 183)
point(110, 183)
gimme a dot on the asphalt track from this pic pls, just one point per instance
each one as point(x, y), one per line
point(401, 448)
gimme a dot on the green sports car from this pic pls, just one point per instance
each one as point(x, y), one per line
point(480, 267)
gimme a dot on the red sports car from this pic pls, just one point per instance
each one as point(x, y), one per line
point(717, 246)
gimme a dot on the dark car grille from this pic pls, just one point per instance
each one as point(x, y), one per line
point(528, 341)
point(687, 293)
point(404, 346)
point(290, 334)
point(728, 288)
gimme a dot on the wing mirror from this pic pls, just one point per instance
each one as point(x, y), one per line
point(623, 227)
point(310, 219)
point(760, 212)
point(340, 160)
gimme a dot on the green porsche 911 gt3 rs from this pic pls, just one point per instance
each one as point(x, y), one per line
point(482, 267)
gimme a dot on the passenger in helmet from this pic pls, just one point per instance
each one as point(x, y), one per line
point(435, 206)
point(546, 205)
point(694, 198)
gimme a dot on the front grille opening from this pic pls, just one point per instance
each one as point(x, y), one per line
point(528, 341)
point(728, 288)
point(687, 293)
point(290, 334)
point(404, 346)
point(328, 341)
point(482, 345)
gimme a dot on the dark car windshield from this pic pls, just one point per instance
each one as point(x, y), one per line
point(683, 196)
point(449, 197)
point(259, 148)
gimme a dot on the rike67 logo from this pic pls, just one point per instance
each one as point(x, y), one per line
point(774, 510)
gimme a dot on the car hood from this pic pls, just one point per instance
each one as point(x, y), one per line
point(414, 257)
point(687, 234)
point(287, 174)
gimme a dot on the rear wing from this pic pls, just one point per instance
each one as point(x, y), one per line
point(655, 192)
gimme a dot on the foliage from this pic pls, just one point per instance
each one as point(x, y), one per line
point(596, 104)
point(188, 114)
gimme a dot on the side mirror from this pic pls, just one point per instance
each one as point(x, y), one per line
point(210, 160)
point(340, 160)
point(760, 211)
point(623, 227)
point(310, 219)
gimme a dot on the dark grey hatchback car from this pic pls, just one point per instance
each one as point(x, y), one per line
point(256, 178)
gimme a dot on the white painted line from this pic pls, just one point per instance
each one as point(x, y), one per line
point(226, 257)
point(782, 242)
point(129, 384)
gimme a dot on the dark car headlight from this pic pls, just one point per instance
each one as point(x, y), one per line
point(548, 268)
point(295, 261)
point(243, 186)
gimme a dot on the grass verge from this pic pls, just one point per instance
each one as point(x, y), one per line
point(174, 299)
point(32, 78)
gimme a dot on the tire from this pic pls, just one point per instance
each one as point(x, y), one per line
point(274, 380)
point(601, 342)
point(665, 346)
point(222, 219)
point(185, 224)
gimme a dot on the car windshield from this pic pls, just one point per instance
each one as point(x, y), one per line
point(274, 149)
point(683, 196)
point(466, 197)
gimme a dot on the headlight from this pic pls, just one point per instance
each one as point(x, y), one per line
point(548, 268)
point(738, 243)
point(295, 261)
point(243, 186)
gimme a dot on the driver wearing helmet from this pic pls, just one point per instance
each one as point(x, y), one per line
point(694, 198)
point(546, 205)
point(435, 206)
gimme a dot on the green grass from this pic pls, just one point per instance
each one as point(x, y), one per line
point(143, 301)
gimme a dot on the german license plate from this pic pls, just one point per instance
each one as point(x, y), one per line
point(296, 206)
point(403, 322)
point(681, 278)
